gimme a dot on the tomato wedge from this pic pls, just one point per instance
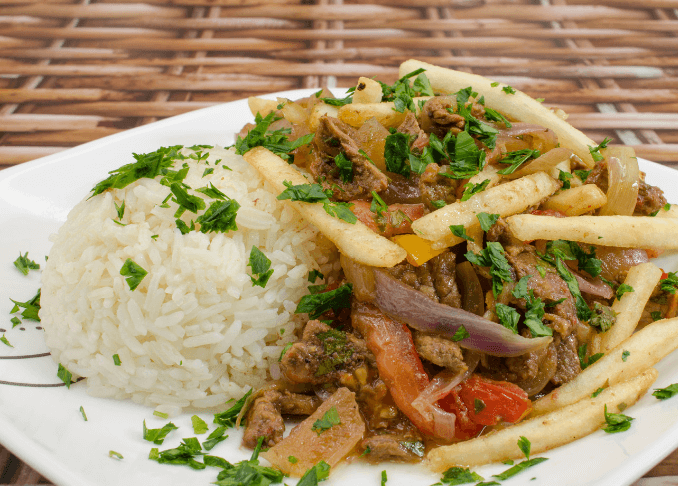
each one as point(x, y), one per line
point(395, 220)
point(479, 402)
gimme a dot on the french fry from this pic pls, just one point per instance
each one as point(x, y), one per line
point(261, 105)
point(546, 431)
point(367, 91)
point(509, 198)
point(645, 347)
point(577, 200)
point(320, 109)
point(518, 106)
point(643, 279)
point(356, 241)
point(619, 231)
point(488, 172)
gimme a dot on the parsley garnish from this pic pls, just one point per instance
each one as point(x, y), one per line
point(494, 115)
point(616, 422)
point(493, 256)
point(478, 405)
point(345, 167)
point(508, 90)
point(625, 355)
point(15, 321)
point(186, 201)
point(656, 315)
point(397, 152)
point(23, 264)
point(4, 340)
point(228, 417)
point(460, 334)
point(146, 166)
point(459, 231)
point(487, 220)
point(337, 101)
point(328, 420)
point(459, 475)
point(312, 193)
point(525, 446)
point(508, 316)
point(622, 289)
point(439, 203)
point(214, 438)
point(284, 350)
point(261, 266)
point(315, 274)
point(162, 415)
point(314, 475)
point(666, 207)
point(495, 84)
point(276, 141)
point(120, 209)
point(64, 375)
point(384, 478)
point(318, 304)
point(184, 228)
point(157, 436)
point(401, 93)
point(665, 393)
point(116, 360)
point(471, 189)
point(116, 455)
point(515, 159)
point(595, 151)
point(670, 283)
point(597, 392)
point(335, 348)
point(219, 217)
point(133, 273)
point(535, 308)
point(199, 425)
point(31, 308)
point(521, 466)
point(82, 412)
point(565, 178)
point(583, 362)
point(208, 171)
point(212, 192)
point(582, 174)
point(292, 459)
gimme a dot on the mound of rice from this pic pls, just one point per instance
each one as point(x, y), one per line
point(195, 332)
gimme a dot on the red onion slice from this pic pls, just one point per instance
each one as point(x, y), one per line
point(425, 403)
point(419, 312)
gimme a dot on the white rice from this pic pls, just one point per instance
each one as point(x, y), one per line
point(195, 332)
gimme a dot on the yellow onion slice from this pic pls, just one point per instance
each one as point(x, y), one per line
point(623, 175)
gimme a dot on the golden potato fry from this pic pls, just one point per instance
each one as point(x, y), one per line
point(619, 231)
point(645, 347)
point(488, 172)
point(643, 279)
point(509, 198)
point(356, 241)
point(577, 200)
point(320, 109)
point(355, 114)
point(367, 91)
point(546, 431)
point(261, 106)
point(672, 212)
point(518, 106)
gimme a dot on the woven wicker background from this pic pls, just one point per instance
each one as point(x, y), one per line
point(72, 71)
point(75, 71)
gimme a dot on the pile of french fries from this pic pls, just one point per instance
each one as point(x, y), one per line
point(569, 412)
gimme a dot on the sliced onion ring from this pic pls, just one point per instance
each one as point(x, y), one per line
point(623, 174)
point(419, 312)
point(426, 402)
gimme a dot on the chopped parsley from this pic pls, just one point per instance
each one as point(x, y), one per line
point(219, 217)
point(314, 475)
point(625, 355)
point(622, 289)
point(284, 351)
point(460, 334)
point(162, 415)
point(146, 166)
point(276, 141)
point(582, 174)
point(565, 178)
point(508, 316)
point(208, 171)
point(82, 412)
point(494, 115)
point(292, 459)
point(597, 392)
point(212, 192)
point(228, 417)
point(116, 360)
point(459, 231)
point(583, 311)
point(116, 455)
point(328, 420)
point(665, 393)
point(583, 361)
point(670, 283)
point(616, 422)
point(335, 347)
point(31, 308)
point(401, 92)
point(471, 189)
point(183, 227)
point(520, 467)
point(458, 475)
point(397, 153)
point(478, 405)
point(439, 203)
point(315, 274)
point(15, 321)
point(214, 438)
point(64, 375)
point(508, 90)
point(524, 445)
point(495, 84)
point(535, 308)
point(345, 167)
point(666, 207)
point(493, 256)
point(487, 220)
point(120, 209)
point(133, 273)
point(186, 201)
point(384, 478)
point(515, 159)
point(602, 317)
point(5, 341)
point(23, 264)
point(595, 151)
point(261, 266)
point(157, 436)
point(312, 193)
point(318, 304)
point(199, 425)
point(656, 315)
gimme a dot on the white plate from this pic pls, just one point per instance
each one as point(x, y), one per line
point(43, 426)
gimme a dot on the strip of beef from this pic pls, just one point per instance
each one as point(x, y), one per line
point(418, 137)
point(392, 448)
point(439, 351)
point(264, 418)
point(435, 278)
point(549, 288)
point(438, 115)
point(322, 354)
point(332, 138)
point(435, 187)
point(650, 199)
point(568, 360)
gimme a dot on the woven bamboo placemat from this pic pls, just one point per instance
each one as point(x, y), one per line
point(72, 71)
point(77, 70)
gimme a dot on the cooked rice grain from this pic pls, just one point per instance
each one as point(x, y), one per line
point(195, 332)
